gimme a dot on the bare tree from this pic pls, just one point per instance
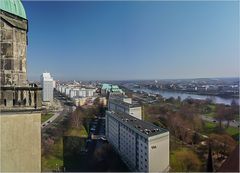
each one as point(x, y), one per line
point(220, 114)
point(76, 118)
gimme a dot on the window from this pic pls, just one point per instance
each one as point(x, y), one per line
point(8, 64)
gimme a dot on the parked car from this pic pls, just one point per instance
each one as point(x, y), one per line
point(92, 129)
point(103, 138)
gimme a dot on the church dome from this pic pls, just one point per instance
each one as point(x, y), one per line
point(14, 7)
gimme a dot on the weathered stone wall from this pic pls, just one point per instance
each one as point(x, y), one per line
point(20, 98)
point(13, 41)
point(20, 142)
point(20, 102)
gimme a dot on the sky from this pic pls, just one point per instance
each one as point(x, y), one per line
point(132, 40)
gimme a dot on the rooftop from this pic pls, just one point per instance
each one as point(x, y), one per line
point(119, 101)
point(14, 7)
point(141, 126)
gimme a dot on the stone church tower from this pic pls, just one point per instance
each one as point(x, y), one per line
point(20, 101)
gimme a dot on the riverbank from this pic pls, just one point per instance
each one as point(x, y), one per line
point(222, 95)
point(183, 95)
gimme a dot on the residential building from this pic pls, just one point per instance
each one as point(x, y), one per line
point(143, 146)
point(47, 85)
point(124, 104)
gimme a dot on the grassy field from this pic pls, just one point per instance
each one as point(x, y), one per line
point(211, 127)
point(81, 132)
point(233, 131)
point(45, 117)
point(51, 161)
point(212, 114)
point(187, 155)
point(54, 159)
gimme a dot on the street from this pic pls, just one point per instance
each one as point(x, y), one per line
point(210, 119)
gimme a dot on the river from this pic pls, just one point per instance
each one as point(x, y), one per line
point(175, 94)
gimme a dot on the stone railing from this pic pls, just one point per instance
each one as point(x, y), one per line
point(20, 98)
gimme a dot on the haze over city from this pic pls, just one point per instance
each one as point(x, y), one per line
point(132, 40)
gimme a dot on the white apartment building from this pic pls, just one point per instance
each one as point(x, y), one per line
point(74, 91)
point(47, 85)
point(143, 146)
point(126, 105)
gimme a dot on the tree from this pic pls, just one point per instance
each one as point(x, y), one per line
point(229, 115)
point(195, 138)
point(222, 144)
point(76, 118)
point(186, 160)
point(179, 99)
point(209, 160)
point(235, 107)
point(47, 146)
point(220, 113)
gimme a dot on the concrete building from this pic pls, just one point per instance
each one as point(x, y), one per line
point(47, 85)
point(54, 84)
point(124, 104)
point(74, 92)
point(143, 146)
point(20, 102)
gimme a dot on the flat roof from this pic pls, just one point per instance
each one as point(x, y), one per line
point(141, 126)
point(122, 103)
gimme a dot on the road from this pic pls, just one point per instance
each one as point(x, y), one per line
point(64, 110)
point(50, 120)
point(210, 119)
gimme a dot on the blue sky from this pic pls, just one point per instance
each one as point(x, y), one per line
point(132, 40)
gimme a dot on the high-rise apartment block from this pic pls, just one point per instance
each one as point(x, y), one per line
point(47, 83)
point(142, 146)
point(124, 104)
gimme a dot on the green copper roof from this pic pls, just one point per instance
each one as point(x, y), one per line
point(14, 7)
point(106, 86)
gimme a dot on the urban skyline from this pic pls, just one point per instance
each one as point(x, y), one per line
point(149, 40)
point(118, 125)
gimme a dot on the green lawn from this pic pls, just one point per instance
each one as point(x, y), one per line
point(232, 131)
point(212, 114)
point(45, 117)
point(77, 132)
point(55, 159)
point(210, 127)
point(180, 164)
point(212, 107)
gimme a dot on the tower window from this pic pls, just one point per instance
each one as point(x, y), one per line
point(8, 65)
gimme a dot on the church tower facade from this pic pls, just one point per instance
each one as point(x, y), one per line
point(20, 101)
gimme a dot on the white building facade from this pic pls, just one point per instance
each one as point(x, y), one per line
point(47, 87)
point(143, 146)
point(124, 104)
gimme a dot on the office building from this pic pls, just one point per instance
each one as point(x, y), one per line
point(47, 85)
point(20, 101)
point(143, 146)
